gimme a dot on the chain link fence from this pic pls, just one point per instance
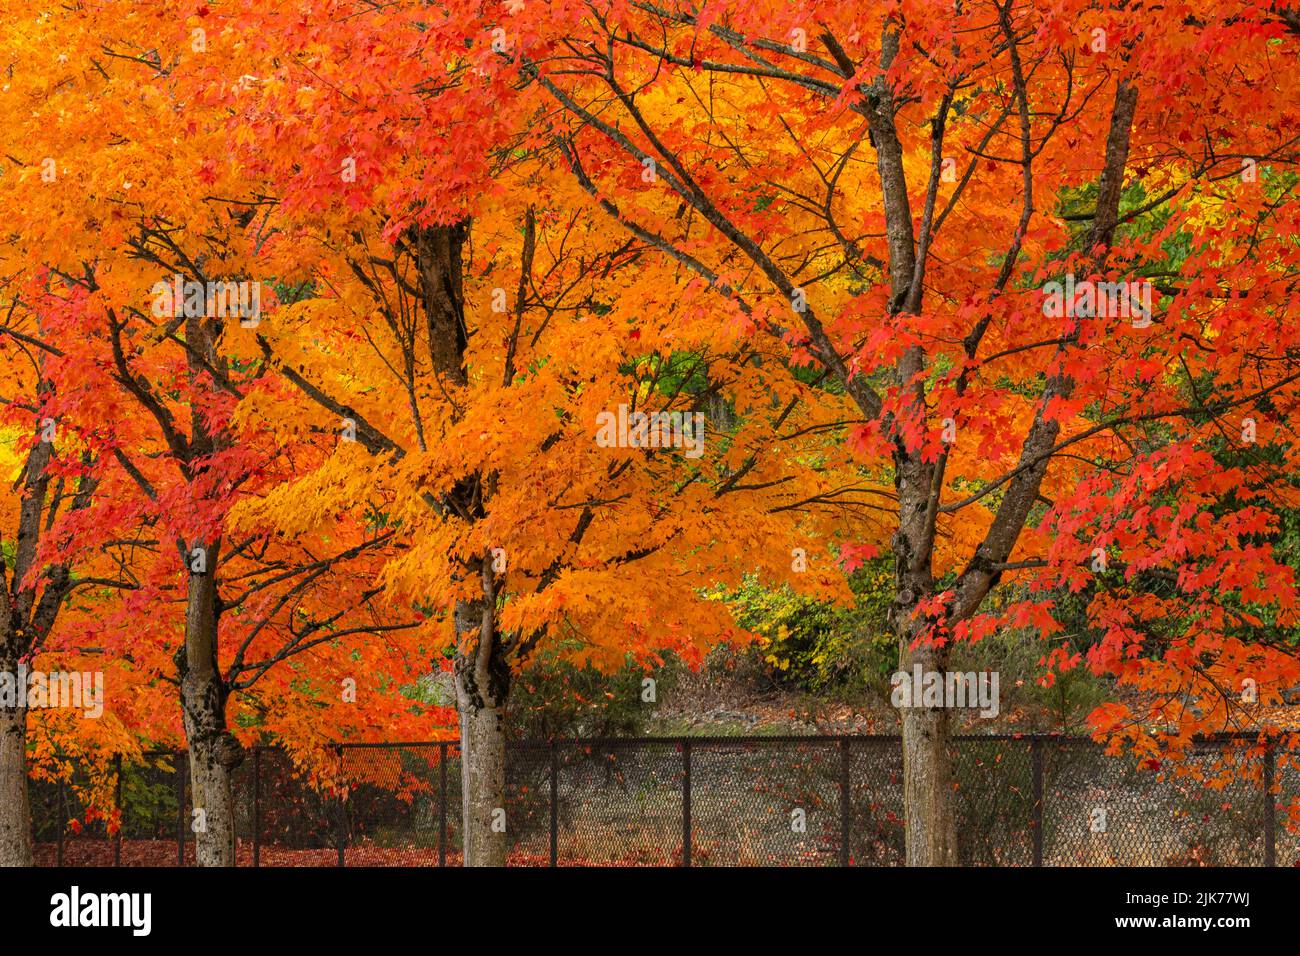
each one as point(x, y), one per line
point(734, 801)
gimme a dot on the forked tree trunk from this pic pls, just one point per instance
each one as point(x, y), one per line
point(928, 798)
point(482, 673)
point(15, 813)
point(213, 751)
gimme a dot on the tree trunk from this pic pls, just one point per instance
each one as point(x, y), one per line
point(24, 624)
point(929, 803)
point(928, 797)
point(213, 751)
point(15, 813)
point(210, 774)
point(482, 686)
point(482, 671)
point(483, 780)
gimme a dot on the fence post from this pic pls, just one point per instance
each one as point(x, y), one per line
point(845, 806)
point(442, 804)
point(1270, 808)
point(61, 815)
point(1036, 760)
point(686, 802)
point(257, 805)
point(181, 767)
point(117, 805)
point(555, 805)
point(341, 811)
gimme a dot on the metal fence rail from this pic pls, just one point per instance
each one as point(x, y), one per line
point(795, 801)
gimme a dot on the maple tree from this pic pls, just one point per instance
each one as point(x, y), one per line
point(507, 332)
point(160, 376)
point(891, 193)
point(51, 482)
point(608, 545)
point(1001, 291)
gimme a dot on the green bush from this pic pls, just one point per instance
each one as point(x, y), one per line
point(817, 646)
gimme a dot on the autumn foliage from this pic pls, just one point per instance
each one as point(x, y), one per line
point(1004, 292)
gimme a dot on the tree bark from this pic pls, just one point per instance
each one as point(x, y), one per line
point(929, 808)
point(483, 779)
point(213, 751)
point(928, 802)
point(15, 813)
point(482, 688)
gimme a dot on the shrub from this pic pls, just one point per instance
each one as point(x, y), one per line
point(820, 647)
